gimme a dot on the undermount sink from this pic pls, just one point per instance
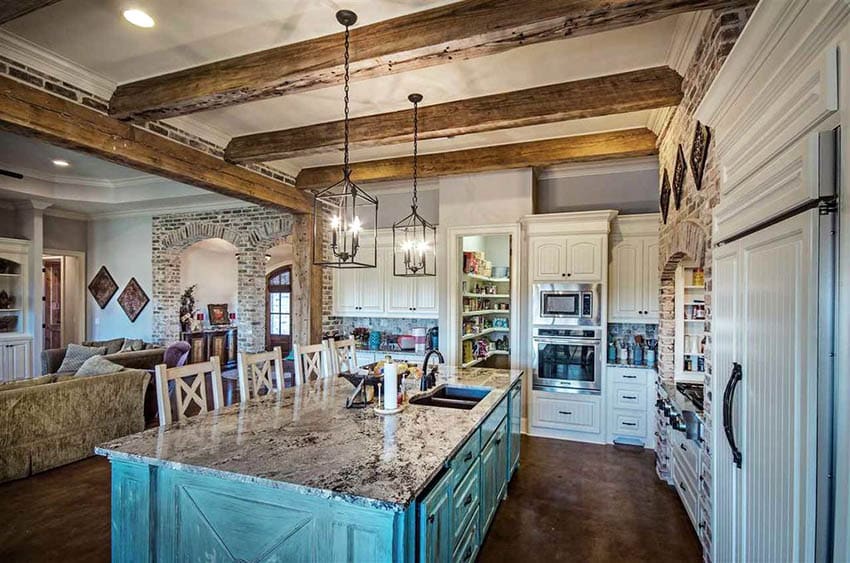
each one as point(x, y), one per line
point(451, 397)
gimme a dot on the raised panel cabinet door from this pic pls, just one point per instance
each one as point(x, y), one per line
point(489, 484)
point(501, 441)
point(584, 258)
point(346, 292)
point(371, 286)
point(625, 283)
point(651, 280)
point(399, 292)
point(516, 428)
point(436, 537)
point(4, 369)
point(19, 360)
point(425, 296)
point(549, 255)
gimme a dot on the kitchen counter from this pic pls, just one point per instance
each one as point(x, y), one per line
point(304, 440)
point(616, 365)
point(680, 401)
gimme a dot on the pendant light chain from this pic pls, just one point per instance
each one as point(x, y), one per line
point(415, 153)
point(346, 168)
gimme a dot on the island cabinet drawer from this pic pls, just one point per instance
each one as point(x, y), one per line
point(467, 548)
point(493, 420)
point(466, 497)
point(465, 458)
point(630, 397)
point(685, 451)
point(631, 423)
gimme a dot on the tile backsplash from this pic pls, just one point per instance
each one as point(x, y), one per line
point(628, 331)
point(389, 326)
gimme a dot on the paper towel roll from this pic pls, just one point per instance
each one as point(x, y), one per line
point(390, 386)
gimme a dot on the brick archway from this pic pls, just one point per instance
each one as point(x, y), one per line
point(687, 243)
point(253, 231)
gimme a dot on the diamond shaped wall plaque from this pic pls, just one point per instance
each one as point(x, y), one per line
point(102, 287)
point(133, 299)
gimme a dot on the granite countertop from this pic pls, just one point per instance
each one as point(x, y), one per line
point(304, 439)
point(635, 366)
point(680, 401)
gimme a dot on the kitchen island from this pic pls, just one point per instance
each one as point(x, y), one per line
point(296, 476)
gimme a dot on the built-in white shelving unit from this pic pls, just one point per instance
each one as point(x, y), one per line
point(690, 313)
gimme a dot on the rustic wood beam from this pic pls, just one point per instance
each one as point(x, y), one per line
point(462, 30)
point(595, 147)
point(34, 113)
point(605, 95)
point(13, 9)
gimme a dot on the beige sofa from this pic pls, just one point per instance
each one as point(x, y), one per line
point(52, 420)
point(146, 359)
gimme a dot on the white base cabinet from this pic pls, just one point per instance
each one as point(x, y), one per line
point(15, 359)
point(630, 397)
point(569, 416)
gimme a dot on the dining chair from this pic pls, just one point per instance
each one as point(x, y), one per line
point(313, 360)
point(189, 387)
point(256, 371)
point(343, 355)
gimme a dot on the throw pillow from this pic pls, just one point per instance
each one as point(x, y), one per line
point(113, 346)
point(75, 355)
point(133, 345)
point(97, 365)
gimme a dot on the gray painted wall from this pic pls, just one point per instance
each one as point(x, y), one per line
point(8, 223)
point(395, 206)
point(65, 234)
point(124, 247)
point(628, 192)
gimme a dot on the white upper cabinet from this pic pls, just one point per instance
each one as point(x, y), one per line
point(584, 258)
point(378, 292)
point(550, 258)
point(633, 276)
point(573, 258)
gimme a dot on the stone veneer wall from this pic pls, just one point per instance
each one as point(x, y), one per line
point(687, 234)
point(253, 230)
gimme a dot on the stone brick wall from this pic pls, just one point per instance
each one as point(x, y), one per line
point(253, 230)
point(687, 233)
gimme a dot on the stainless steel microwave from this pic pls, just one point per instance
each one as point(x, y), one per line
point(569, 304)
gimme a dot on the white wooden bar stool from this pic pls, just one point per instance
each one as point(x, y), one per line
point(188, 392)
point(256, 371)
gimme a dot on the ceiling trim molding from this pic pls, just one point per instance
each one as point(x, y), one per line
point(65, 214)
point(166, 209)
point(133, 182)
point(596, 168)
point(28, 53)
point(686, 37)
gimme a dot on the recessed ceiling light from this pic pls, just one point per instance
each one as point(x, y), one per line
point(61, 163)
point(139, 18)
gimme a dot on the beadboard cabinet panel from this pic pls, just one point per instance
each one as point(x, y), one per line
point(550, 258)
point(633, 291)
point(584, 258)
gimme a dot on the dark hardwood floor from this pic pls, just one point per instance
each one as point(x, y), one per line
point(582, 502)
point(568, 502)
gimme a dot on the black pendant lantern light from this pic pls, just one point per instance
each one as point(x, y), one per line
point(414, 238)
point(345, 217)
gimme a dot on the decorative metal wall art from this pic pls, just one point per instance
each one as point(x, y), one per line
point(102, 287)
point(699, 153)
point(665, 196)
point(679, 177)
point(133, 300)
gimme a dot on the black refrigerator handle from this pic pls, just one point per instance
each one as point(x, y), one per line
point(728, 399)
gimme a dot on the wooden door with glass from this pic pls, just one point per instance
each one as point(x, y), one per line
point(279, 312)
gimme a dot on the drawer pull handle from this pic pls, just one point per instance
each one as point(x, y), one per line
point(682, 486)
point(630, 397)
point(629, 424)
point(468, 500)
point(468, 456)
point(565, 412)
point(431, 519)
point(498, 441)
point(684, 449)
point(468, 553)
point(629, 377)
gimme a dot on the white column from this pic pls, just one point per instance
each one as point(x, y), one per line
point(31, 227)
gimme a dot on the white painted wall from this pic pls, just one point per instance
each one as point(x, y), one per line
point(61, 233)
point(124, 247)
point(211, 264)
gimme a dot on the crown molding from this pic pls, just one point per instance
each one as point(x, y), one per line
point(65, 214)
point(167, 209)
point(686, 37)
point(619, 166)
point(135, 181)
point(28, 53)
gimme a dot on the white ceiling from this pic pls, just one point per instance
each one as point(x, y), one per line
point(92, 38)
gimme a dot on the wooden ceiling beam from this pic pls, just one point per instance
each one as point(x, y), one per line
point(605, 95)
point(37, 114)
point(462, 30)
point(584, 148)
point(13, 9)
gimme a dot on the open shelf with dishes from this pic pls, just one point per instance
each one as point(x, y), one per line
point(485, 297)
point(12, 294)
point(690, 326)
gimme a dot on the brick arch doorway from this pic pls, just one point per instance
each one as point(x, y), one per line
point(279, 308)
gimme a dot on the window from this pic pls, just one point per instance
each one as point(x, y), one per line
point(280, 308)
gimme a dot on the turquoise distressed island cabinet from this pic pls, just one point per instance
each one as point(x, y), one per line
point(297, 477)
